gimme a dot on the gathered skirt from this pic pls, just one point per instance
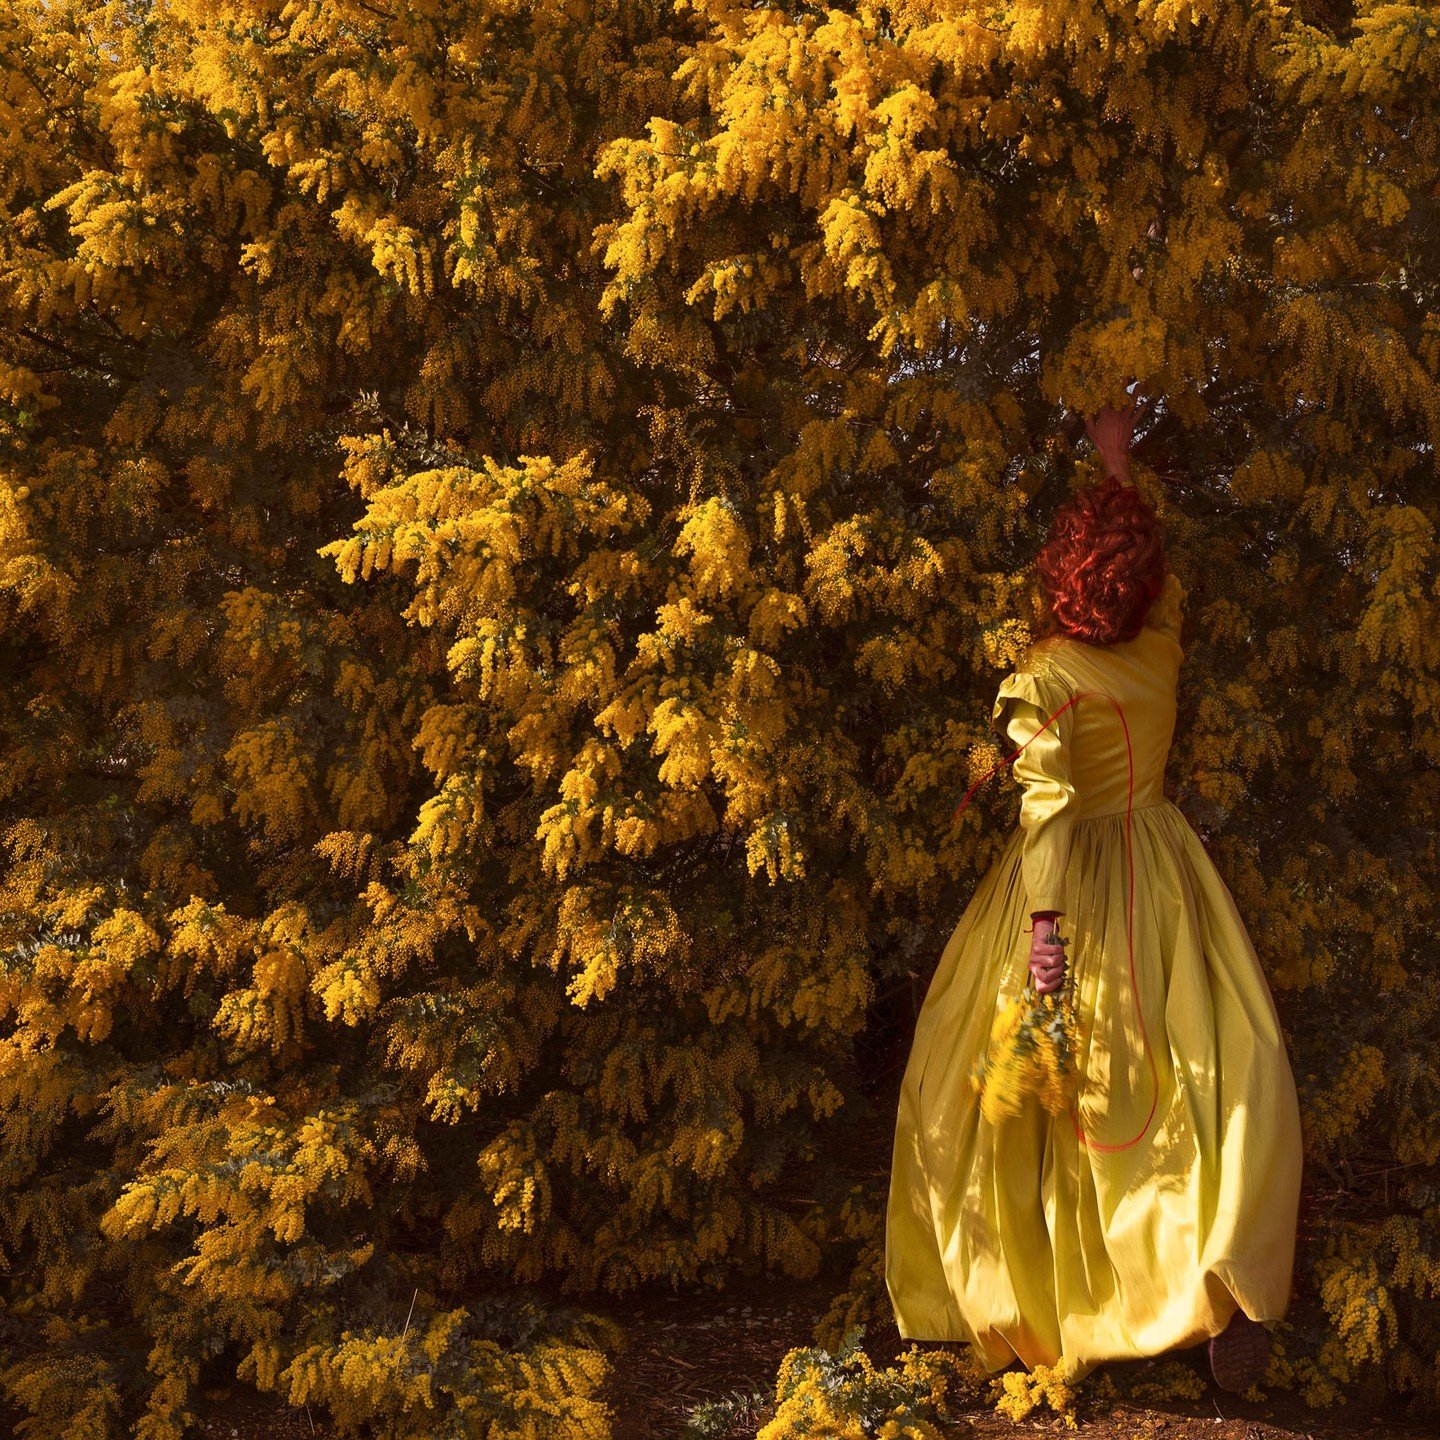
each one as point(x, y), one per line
point(1029, 1240)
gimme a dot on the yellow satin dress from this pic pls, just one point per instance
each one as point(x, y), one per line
point(1169, 1195)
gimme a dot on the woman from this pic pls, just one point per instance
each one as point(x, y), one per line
point(1162, 1208)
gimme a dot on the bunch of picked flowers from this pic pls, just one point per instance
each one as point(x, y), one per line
point(1031, 1050)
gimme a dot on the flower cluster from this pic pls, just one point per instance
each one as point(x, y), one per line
point(1017, 1392)
point(1031, 1052)
point(845, 1396)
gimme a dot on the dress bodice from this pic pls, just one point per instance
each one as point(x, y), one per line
point(1101, 753)
point(1140, 675)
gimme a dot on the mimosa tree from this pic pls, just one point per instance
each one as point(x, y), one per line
point(510, 522)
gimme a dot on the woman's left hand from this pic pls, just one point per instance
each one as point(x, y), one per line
point(1047, 960)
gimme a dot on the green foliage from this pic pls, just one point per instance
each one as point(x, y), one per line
point(718, 1419)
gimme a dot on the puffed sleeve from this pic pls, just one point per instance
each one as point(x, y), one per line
point(1166, 609)
point(1047, 808)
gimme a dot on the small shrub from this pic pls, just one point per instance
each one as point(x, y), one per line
point(843, 1395)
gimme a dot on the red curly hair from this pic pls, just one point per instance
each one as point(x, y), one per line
point(1102, 564)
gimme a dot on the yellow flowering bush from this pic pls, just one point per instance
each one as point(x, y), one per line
point(509, 533)
point(858, 1224)
point(1165, 1379)
point(1016, 1393)
point(843, 1395)
point(1315, 1371)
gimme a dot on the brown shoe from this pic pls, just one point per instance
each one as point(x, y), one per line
point(1239, 1353)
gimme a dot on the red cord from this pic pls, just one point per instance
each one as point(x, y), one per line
point(1130, 902)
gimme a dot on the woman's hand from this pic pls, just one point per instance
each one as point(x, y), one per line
point(1047, 960)
point(1111, 432)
